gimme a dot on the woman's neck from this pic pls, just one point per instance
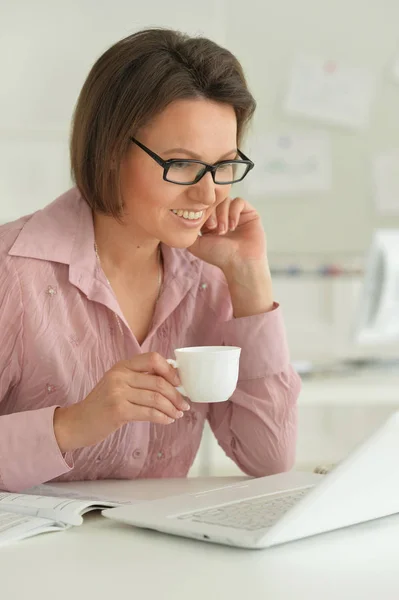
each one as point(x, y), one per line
point(121, 250)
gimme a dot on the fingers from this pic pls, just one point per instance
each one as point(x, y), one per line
point(226, 216)
point(236, 207)
point(152, 395)
point(152, 362)
point(222, 213)
point(158, 385)
point(217, 219)
point(151, 403)
point(151, 415)
point(211, 223)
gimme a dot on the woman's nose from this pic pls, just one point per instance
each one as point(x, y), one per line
point(204, 190)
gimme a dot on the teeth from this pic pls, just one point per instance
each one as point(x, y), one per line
point(188, 214)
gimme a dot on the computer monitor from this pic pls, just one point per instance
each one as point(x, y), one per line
point(377, 318)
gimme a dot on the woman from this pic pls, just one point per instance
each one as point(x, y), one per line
point(146, 254)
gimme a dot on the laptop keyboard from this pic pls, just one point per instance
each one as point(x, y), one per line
point(252, 514)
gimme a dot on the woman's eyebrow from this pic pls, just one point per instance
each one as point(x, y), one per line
point(196, 156)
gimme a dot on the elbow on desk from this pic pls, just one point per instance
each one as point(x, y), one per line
point(276, 452)
point(273, 468)
point(280, 455)
point(262, 466)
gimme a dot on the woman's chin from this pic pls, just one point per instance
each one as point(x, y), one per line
point(181, 241)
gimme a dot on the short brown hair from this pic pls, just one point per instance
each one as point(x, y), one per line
point(129, 84)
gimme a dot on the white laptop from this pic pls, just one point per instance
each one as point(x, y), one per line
point(263, 512)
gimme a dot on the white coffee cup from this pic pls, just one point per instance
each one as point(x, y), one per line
point(207, 373)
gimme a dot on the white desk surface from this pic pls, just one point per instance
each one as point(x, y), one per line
point(102, 560)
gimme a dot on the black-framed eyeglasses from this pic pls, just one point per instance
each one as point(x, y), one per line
point(189, 171)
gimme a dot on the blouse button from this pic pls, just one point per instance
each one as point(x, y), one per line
point(191, 417)
point(137, 453)
point(160, 455)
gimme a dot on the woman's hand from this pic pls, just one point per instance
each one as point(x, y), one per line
point(232, 236)
point(141, 389)
point(233, 239)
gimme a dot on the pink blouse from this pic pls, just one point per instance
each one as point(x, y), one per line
point(59, 335)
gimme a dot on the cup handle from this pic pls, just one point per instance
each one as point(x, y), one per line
point(179, 388)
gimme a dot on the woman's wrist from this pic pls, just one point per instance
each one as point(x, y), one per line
point(250, 287)
point(62, 429)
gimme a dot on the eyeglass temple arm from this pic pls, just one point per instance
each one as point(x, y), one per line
point(157, 158)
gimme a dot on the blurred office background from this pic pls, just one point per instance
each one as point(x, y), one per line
point(325, 141)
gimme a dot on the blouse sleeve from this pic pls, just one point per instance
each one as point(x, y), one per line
point(29, 453)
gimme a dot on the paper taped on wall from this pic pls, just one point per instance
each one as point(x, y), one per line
point(327, 91)
point(289, 163)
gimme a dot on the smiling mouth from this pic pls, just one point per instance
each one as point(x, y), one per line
point(188, 214)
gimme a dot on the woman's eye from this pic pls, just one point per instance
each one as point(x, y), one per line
point(181, 165)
